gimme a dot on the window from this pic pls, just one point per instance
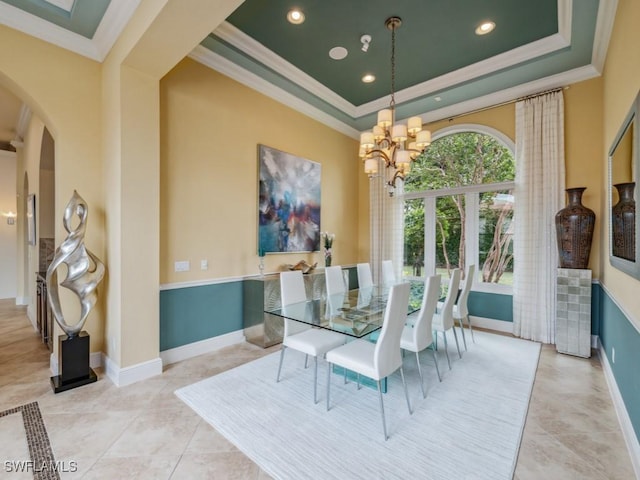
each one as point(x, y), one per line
point(458, 208)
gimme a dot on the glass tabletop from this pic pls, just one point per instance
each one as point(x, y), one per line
point(356, 313)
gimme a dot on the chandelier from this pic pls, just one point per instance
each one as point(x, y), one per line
point(395, 143)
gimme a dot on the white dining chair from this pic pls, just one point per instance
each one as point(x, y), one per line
point(443, 320)
point(301, 336)
point(460, 309)
point(365, 279)
point(388, 274)
point(418, 336)
point(381, 359)
point(335, 280)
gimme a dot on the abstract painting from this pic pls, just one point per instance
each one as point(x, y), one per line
point(288, 203)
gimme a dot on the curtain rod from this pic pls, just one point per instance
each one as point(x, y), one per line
point(508, 102)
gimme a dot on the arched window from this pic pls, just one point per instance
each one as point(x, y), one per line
point(458, 207)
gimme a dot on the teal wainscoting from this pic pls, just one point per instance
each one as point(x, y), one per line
point(192, 314)
point(617, 332)
point(491, 305)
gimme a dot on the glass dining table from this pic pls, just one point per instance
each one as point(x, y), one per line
point(355, 313)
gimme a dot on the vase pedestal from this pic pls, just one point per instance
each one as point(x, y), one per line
point(73, 365)
point(573, 312)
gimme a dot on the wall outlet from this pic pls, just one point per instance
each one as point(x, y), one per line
point(204, 264)
point(613, 355)
point(182, 266)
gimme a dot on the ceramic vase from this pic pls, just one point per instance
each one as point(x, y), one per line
point(623, 222)
point(574, 230)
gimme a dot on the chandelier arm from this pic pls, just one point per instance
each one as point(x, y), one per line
point(382, 153)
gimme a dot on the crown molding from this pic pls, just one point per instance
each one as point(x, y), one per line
point(259, 52)
point(66, 5)
point(226, 67)
point(604, 28)
point(501, 61)
point(23, 121)
point(36, 27)
point(565, 16)
point(510, 94)
point(115, 19)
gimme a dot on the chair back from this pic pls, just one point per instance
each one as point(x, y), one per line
point(387, 357)
point(365, 279)
point(462, 309)
point(450, 300)
point(388, 275)
point(422, 335)
point(334, 280)
point(292, 292)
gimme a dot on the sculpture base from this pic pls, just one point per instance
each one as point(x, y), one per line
point(58, 385)
point(73, 354)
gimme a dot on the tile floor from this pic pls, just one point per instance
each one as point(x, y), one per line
point(144, 431)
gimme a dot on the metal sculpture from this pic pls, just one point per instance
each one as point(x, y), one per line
point(84, 269)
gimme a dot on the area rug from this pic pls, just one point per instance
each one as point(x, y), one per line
point(468, 427)
point(41, 462)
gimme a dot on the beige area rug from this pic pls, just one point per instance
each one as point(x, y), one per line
point(468, 427)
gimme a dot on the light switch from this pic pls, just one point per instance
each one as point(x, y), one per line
point(204, 264)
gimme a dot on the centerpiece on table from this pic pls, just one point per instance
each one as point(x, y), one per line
point(328, 243)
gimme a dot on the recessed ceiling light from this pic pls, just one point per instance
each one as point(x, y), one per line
point(338, 53)
point(295, 16)
point(485, 27)
point(369, 78)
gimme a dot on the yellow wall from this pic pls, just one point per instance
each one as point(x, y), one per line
point(583, 147)
point(583, 144)
point(210, 130)
point(621, 85)
point(63, 90)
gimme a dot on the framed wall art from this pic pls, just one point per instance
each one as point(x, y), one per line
point(31, 219)
point(288, 203)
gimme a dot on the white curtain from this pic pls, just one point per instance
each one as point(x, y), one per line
point(539, 195)
point(386, 222)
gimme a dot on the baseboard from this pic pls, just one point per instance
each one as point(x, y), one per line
point(628, 432)
point(194, 349)
point(595, 341)
point(95, 361)
point(22, 301)
point(121, 377)
point(491, 324)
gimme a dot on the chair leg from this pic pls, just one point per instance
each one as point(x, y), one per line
point(446, 348)
point(315, 380)
point(424, 394)
point(384, 423)
point(329, 367)
point(471, 329)
point(406, 390)
point(455, 335)
point(280, 366)
point(306, 361)
point(435, 339)
point(435, 360)
point(464, 340)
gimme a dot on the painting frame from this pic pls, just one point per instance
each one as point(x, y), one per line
point(289, 197)
point(31, 219)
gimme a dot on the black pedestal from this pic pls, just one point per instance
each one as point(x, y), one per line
point(73, 354)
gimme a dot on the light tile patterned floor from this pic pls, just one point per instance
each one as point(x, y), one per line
point(144, 431)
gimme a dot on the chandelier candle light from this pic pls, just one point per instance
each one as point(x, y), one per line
point(397, 144)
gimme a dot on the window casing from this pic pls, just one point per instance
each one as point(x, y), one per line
point(484, 207)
